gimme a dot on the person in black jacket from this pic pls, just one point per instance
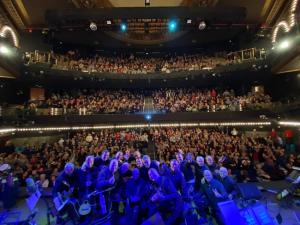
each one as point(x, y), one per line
point(228, 182)
point(164, 199)
point(213, 189)
point(67, 181)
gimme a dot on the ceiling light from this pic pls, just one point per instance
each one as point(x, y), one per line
point(188, 21)
point(108, 22)
point(284, 44)
point(172, 25)
point(4, 50)
point(202, 25)
point(93, 26)
point(123, 27)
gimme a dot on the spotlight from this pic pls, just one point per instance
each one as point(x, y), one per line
point(93, 26)
point(123, 27)
point(202, 25)
point(108, 22)
point(148, 117)
point(188, 21)
point(172, 25)
point(4, 50)
point(284, 45)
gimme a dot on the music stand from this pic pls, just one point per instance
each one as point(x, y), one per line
point(33, 199)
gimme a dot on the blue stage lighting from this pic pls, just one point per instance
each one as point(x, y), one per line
point(123, 27)
point(172, 25)
point(148, 117)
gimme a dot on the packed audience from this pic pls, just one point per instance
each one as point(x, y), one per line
point(135, 65)
point(248, 158)
point(100, 101)
point(197, 168)
point(166, 100)
point(195, 100)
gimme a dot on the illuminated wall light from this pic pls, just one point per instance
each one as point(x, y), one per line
point(8, 130)
point(285, 25)
point(289, 123)
point(6, 30)
point(99, 127)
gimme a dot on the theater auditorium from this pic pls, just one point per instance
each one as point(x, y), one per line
point(149, 112)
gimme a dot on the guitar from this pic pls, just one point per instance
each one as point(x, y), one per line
point(63, 198)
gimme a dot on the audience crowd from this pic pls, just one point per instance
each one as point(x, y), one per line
point(196, 169)
point(135, 65)
point(164, 100)
point(195, 100)
point(100, 101)
point(248, 158)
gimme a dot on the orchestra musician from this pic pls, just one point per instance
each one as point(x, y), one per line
point(200, 167)
point(213, 189)
point(228, 182)
point(136, 190)
point(108, 176)
point(67, 181)
point(102, 160)
point(88, 176)
point(165, 200)
point(177, 177)
point(146, 166)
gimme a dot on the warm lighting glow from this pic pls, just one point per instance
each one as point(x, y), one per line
point(5, 30)
point(284, 45)
point(128, 126)
point(289, 123)
point(4, 50)
point(286, 25)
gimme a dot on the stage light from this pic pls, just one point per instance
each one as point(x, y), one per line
point(148, 117)
point(284, 45)
point(108, 22)
point(123, 27)
point(172, 25)
point(93, 26)
point(188, 21)
point(4, 50)
point(202, 25)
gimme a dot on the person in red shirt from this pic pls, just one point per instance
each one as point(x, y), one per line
point(213, 93)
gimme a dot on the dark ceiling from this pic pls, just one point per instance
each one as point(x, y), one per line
point(30, 16)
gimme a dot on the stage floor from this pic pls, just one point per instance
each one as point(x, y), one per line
point(290, 216)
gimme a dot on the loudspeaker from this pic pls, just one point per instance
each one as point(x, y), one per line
point(229, 214)
point(257, 215)
point(249, 191)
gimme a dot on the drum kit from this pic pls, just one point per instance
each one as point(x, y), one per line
point(96, 206)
